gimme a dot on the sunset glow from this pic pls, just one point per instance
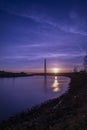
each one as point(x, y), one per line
point(55, 70)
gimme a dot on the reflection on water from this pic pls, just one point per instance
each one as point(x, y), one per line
point(55, 85)
point(18, 94)
point(45, 83)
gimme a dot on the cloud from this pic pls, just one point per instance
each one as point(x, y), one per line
point(35, 45)
point(34, 36)
point(73, 24)
point(76, 28)
point(43, 55)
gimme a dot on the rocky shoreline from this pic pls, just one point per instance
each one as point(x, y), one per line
point(68, 112)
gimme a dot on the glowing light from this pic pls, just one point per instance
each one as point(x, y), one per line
point(56, 89)
point(55, 70)
point(55, 85)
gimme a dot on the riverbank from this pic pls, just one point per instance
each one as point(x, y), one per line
point(69, 112)
point(4, 74)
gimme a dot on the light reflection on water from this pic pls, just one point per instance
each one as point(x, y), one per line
point(18, 94)
point(55, 85)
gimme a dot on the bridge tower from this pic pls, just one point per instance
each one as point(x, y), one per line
point(45, 67)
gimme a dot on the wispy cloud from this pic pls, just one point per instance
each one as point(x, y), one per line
point(76, 26)
point(40, 56)
point(34, 35)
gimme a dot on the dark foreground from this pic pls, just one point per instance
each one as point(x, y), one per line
point(69, 112)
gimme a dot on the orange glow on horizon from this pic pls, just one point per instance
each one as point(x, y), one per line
point(56, 70)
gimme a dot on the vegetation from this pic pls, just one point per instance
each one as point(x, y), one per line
point(85, 63)
point(69, 112)
point(4, 74)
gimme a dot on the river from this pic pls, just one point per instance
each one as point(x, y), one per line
point(19, 94)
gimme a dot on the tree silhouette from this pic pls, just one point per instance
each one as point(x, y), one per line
point(75, 69)
point(85, 63)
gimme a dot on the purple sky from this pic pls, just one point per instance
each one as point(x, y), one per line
point(31, 30)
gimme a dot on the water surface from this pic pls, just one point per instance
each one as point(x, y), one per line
point(18, 94)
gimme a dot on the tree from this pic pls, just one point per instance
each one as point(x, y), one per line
point(75, 69)
point(85, 63)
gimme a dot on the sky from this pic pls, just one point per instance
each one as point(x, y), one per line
point(31, 30)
